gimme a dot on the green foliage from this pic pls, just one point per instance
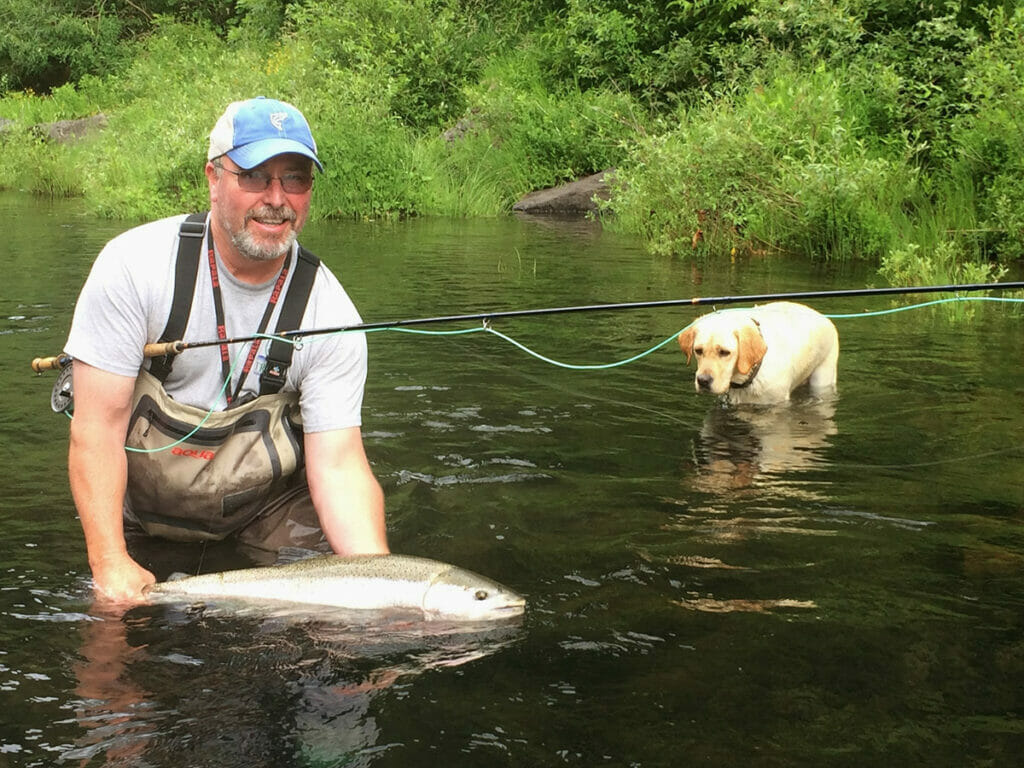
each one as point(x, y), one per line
point(49, 43)
point(43, 169)
point(927, 51)
point(840, 129)
point(46, 43)
point(467, 177)
point(148, 160)
point(948, 264)
point(989, 140)
point(422, 51)
point(367, 154)
point(810, 30)
point(656, 50)
point(518, 137)
point(260, 19)
point(66, 102)
point(154, 148)
point(554, 136)
point(781, 164)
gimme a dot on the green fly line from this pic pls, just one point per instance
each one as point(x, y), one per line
point(221, 393)
point(486, 328)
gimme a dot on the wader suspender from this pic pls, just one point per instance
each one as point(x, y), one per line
point(279, 356)
point(190, 242)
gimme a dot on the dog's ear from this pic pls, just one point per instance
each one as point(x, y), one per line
point(686, 342)
point(750, 348)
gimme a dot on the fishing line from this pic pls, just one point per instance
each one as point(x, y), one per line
point(486, 328)
point(176, 347)
point(221, 393)
point(299, 337)
point(574, 367)
point(894, 310)
point(577, 392)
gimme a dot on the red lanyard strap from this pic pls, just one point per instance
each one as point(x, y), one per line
point(222, 334)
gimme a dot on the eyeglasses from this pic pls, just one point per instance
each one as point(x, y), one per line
point(257, 181)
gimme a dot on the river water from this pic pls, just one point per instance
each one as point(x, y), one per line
point(835, 582)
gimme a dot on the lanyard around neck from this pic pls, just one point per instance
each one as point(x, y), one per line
point(222, 333)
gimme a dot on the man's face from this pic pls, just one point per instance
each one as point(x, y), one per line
point(261, 224)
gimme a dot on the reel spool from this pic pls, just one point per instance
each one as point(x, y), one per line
point(61, 397)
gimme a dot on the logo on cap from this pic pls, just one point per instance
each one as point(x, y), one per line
point(277, 119)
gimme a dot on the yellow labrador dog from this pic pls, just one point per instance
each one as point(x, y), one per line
point(761, 355)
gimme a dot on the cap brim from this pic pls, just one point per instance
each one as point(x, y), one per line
point(258, 152)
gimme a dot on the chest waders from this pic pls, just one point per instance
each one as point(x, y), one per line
point(220, 478)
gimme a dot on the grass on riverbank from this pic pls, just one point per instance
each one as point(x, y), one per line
point(811, 157)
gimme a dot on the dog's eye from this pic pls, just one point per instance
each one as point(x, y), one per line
point(698, 351)
point(724, 353)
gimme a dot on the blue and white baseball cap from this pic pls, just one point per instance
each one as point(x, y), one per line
point(253, 131)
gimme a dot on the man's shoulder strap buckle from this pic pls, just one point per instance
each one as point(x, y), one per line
point(279, 356)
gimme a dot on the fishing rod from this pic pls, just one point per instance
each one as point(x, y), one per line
point(160, 349)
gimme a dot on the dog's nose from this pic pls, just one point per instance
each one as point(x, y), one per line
point(704, 380)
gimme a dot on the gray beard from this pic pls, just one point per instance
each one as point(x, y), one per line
point(250, 248)
point(255, 251)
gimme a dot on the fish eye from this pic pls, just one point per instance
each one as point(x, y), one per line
point(481, 594)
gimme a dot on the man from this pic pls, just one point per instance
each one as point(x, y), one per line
point(251, 484)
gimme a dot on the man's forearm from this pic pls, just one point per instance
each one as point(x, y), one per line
point(352, 515)
point(347, 497)
point(97, 470)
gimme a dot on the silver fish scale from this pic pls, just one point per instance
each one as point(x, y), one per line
point(372, 582)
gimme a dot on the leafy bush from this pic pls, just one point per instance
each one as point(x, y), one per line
point(780, 164)
point(948, 264)
point(989, 141)
point(366, 151)
point(657, 50)
point(555, 136)
point(47, 43)
point(928, 56)
point(422, 51)
point(810, 31)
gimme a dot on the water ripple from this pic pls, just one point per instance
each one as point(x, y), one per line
point(407, 476)
point(713, 605)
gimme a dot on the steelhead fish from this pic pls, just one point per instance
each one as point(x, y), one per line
point(363, 582)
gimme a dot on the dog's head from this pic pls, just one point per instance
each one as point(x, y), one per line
point(727, 346)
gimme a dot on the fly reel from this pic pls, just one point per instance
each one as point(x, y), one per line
point(61, 397)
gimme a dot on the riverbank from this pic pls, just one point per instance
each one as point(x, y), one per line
point(756, 136)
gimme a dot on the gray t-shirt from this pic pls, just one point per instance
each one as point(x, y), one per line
point(126, 300)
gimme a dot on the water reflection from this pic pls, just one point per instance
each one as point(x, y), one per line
point(752, 487)
point(112, 707)
point(711, 605)
point(165, 686)
point(740, 447)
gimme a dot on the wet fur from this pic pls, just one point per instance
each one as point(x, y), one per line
point(785, 345)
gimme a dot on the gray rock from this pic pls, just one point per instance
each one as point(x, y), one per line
point(66, 131)
point(575, 197)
